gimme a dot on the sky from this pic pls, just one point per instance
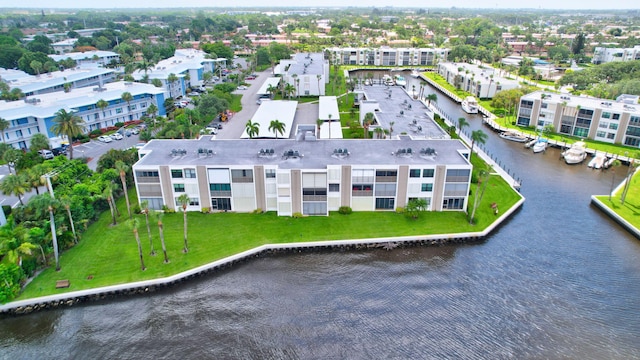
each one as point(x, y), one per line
point(489, 4)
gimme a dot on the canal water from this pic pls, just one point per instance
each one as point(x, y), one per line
point(558, 280)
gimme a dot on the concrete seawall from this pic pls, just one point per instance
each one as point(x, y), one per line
point(142, 287)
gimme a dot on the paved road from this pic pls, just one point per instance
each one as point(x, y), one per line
point(306, 113)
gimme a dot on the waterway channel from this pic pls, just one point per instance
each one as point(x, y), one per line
point(558, 280)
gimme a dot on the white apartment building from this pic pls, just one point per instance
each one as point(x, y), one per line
point(96, 57)
point(616, 122)
point(307, 72)
point(36, 114)
point(603, 55)
point(56, 80)
point(480, 80)
point(386, 56)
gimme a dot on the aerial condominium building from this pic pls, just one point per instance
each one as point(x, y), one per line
point(302, 176)
point(36, 114)
point(616, 122)
point(387, 56)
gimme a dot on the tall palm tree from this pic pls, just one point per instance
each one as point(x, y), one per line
point(462, 123)
point(276, 126)
point(368, 120)
point(15, 184)
point(135, 223)
point(11, 157)
point(144, 206)
point(107, 194)
point(430, 98)
point(252, 128)
point(4, 125)
point(158, 216)
point(477, 136)
point(319, 122)
point(35, 176)
point(272, 90)
point(289, 90)
point(15, 243)
point(65, 201)
point(102, 104)
point(329, 116)
point(122, 169)
point(69, 125)
point(126, 96)
point(152, 110)
point(171, 79)
point(483, 180)
point(184, 200)
point(39, 141)
point(45, 202)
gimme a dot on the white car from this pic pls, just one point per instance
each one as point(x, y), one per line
point(105, 138)
point(242, 87)
point(117, 136)
point(47, 154)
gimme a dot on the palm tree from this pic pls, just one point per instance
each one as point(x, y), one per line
point(4, 125)
point(15, 184)
point(65, 201)
point(171, 79)
point(276, 126)
point(184, 201)
point(102, 104)
point(252, 128)
point(152, 110)
point(14, 243)
point(107, 193)
point(483, 180)
point(272, 90)
point(35, 176)
point(368, 120)
point(627, 182)
point(159, 216)
point(329, 116)
point(134, 224)
point(462, 123)
point(289, 90)
point(123, 168)
point(42, 202)
point(39, 141)
point(11, 157)
point(477, 136)
point(430, 98)
point(69, 125)
point(319, 122)
point(319, 77)
point(126, 96)
point(614, 165)
point(145, 210)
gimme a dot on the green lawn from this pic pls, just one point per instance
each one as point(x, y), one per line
point(107, 255)
point(630, 210)
point(235, 105)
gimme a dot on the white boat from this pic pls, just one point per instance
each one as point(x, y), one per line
point(367, 82)
point(399, 80)
point(598, 161)
point(513, 136)
point(609, 162)
point(470, 105)
point(530, 143)
point(575, 154)
point(387, 80)
point(415, 73)
point(540, 145)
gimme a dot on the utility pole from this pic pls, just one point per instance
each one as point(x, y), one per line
point(54, 237)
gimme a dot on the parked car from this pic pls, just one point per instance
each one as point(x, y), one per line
point(135, 131)
point(210, 131)
point(242, 87)
point(47, 154)
point(105, 138)
point(62, 150)
point(250, 77)
point(117, 136)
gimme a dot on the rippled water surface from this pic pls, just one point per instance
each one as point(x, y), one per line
point(558, 280)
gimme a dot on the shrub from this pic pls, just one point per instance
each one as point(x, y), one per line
point(7, 210)
point(297, 215)
point(399, 210)
point(345, 210)
point(136, 209)
point(118, 124)
point(96, 132)
point(258, 211)
point(205, 210)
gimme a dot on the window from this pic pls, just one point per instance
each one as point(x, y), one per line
point(147, 173)
point(362, 190)
point(176, 174)
point(613, 126)
point(220, 203)
point(133, 107)
point(606, 115)
point(427, 173)
point(119, 111)
point(414, 173)
point(270, 173)
point(192, 202)
point(453, 203)
point(334, 187)
point(385, 203)
point(245, 176)
point(616, 117)
point(427, 187)
point(601, 134)
point(611, 136)
point(178, 188)
point(385, 189)
point(190, 173)
point(220, 187)
point(457, 175)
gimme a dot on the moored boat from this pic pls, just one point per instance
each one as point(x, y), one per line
point(415, 73)
point(513, 136)
point(470, 105)
point(598, 161)
point(540, 145)
point(575, 154)
point(399, 80)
